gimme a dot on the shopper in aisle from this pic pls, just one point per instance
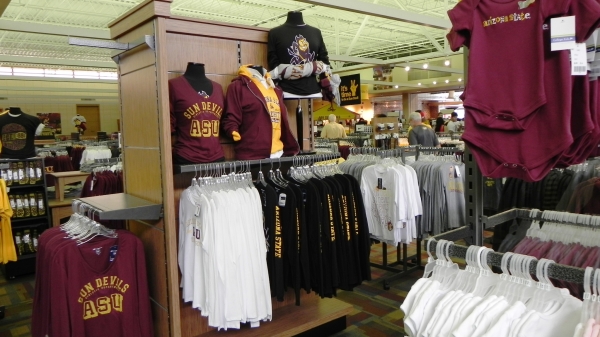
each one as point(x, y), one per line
point(439, 125)
point(453, 125)
point(421, 134)
point(334, 129)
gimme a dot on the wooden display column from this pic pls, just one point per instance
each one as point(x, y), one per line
point(307, 140)
point(148, 171)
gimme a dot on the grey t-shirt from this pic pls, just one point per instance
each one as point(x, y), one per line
point(422, 135)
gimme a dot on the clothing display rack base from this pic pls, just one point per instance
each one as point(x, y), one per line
point(409, 263)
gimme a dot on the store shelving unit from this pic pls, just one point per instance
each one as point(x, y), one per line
point(25, 263)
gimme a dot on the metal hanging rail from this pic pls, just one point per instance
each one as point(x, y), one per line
point(255, 162)
point(555, 271)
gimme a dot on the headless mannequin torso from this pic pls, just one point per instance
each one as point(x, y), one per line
point(295, 18)
point(196, 77)
point(15, 112)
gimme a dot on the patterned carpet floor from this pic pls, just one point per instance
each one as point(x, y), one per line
point(17, 297)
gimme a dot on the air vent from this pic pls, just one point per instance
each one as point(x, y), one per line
point(88, 99)
point(3, 98)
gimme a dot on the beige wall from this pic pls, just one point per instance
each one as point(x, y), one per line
point(62, 96)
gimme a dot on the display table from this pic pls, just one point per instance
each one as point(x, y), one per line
point(60, 209)
point(63, 178)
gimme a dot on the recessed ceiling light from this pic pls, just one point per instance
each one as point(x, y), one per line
point(425, 65)
point(460, 79)
point(434, 82)
point(396, 86)
point(447, 81)
point(447, 63)
point(418, 83)
point(407, 68)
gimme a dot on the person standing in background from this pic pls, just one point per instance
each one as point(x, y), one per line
point(333, 130)
point(439, 125)
point(421, 134)
point(453, 125)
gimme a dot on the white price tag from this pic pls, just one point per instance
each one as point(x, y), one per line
point(579, 65)
point(562, 33)
point(457, 169)
point(590, 46)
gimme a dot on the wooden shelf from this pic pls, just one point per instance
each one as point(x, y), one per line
point(19, 187)
point(121, 206)
point(292, 320)
point(20, 220)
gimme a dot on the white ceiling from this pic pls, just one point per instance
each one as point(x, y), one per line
point(36, 31)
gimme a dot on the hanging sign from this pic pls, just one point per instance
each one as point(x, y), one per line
point(350, 90)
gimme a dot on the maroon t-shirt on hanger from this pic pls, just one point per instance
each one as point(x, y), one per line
point(505, 59)
point(195, 119)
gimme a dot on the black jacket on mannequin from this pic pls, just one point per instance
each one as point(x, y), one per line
point(296, 43)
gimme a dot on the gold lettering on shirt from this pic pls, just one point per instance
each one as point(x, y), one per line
point(205, 128)
point(106, 282)
point(331, 222)
point(102, 305)
point(507, 18)
point(278, 238)
point(203, 108)
point(345, 203)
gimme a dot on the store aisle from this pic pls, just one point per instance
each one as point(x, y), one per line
point(376, 311)
point(17, 297)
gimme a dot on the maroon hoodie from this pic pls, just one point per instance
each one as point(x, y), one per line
point(246, 112)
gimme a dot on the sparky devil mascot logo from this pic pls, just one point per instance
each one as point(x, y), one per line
point(300, 51)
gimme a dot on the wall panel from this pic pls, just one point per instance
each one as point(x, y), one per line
point(139, 113)
point(219, 56)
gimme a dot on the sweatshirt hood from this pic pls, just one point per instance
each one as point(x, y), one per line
point(248, 73)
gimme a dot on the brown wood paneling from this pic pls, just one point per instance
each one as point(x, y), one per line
point(193, 324)
point(137, 59)
point(219, 56)
point(169, 208)
point(137, 16)
point(142, 168)
point(295, 319)
point(254, 53)
point(154, 248)
point(212, 29)
point(223, 80)
point(137, 33)
point(161, 320)
point(139, 113)
point(291, 105)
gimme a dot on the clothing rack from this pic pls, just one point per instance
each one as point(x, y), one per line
point(452, 135)
point(521, 213)
point(437, 150)
point(232, 165)
point(401, 258)
point(407, 267)
point(555, 271)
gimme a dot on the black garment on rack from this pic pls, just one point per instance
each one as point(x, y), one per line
point(314, 219)
point(302, 238)
point(268, 198)
point(328, 249)
point(363, 239)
